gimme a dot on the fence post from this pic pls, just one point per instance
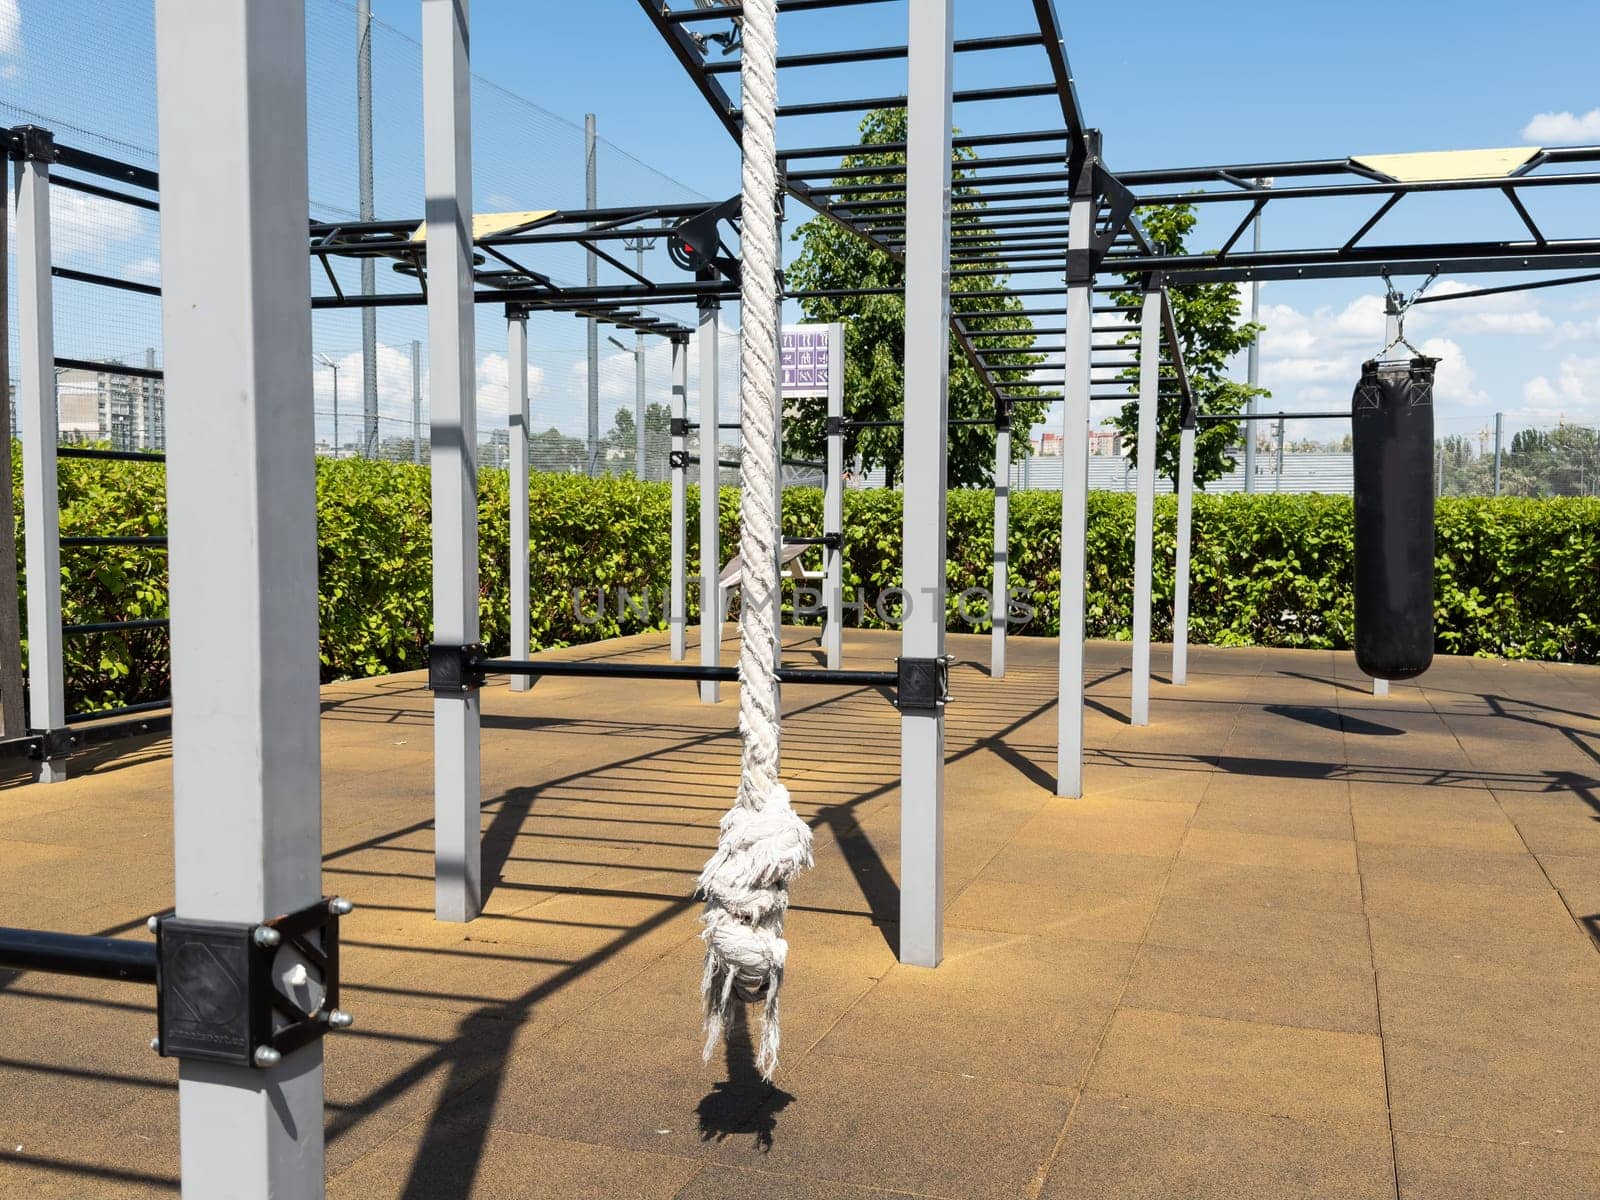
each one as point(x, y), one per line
point(517, 408)
point(40, 496)
point(247, 820)
point(926, 372)
point(452, 365)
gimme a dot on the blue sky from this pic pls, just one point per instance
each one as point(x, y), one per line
point(1176, 86)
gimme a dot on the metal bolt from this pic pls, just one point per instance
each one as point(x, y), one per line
point(340, 907)
point(153, 924)
point(266, 936)
point(339, 1019)
point(155, 1042)
point(266, 1056)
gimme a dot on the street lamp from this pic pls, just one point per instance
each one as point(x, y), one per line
point(334, 367)
point(639, 244)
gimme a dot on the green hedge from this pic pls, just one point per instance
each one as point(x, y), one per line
point(1518, 578)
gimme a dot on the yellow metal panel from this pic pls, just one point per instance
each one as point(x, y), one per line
point(1448, 164)
point(489, 224)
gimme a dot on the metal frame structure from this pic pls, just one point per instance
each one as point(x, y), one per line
point(1043, 203)
point(1063, 209)
point(53, 731)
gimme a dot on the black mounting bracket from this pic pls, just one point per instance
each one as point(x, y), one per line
point(696, 243)
point(924, 684)
point(246, 994)
point(678, 460)
point(455, 670)
point(832, 426)
point(678, 426)
point(47, 744)
point(30, 143)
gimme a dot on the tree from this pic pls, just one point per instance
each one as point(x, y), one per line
point(1211, 332)
point(553, 450)
point(874, 328)
point(622, 444)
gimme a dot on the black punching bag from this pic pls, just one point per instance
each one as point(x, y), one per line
point(1392, 443)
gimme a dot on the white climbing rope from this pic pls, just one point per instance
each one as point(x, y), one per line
point(763, 844)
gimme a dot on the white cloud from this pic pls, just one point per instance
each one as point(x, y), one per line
point(1563, 128)
point(1511, 313)
point(1454, 377)
point(1573, 395)
point(10, 29)
point(89, 232)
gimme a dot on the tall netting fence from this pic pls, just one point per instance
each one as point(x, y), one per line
point(1473, 456)
point(370, 390)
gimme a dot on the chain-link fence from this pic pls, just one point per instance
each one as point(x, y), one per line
point(54, 72)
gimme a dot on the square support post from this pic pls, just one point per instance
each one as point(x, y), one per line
point(452, 377)
point(927, 370)
point(710, 492)
point(1000, 597)
point(1075, 465)
point(1180, 567)
point(1144, 533)
point(247, 811)
point(833, 506)
point(40, 495)
point(517, 410)
point(678, 599)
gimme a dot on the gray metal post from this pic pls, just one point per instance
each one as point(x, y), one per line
point(1180, 566)
point(369, 316)
point(517, 408)
point(999, 600)
point(13, 722)
point(247, 819)
point(40, 497)
point(638, 393)
point(833, 506)
point(592, 277)
point(1253, 366)
point(710, 476)
point(416, 401)
point(678, 599)
point(1499, 435)
point(452, 366)
point(1144, 532)
point(926, 375)
point(1075, 478)
point(1277, 478)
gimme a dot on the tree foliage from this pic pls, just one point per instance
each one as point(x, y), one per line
point(1211, 331)
point(832, 258)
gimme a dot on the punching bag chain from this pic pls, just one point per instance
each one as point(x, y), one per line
point(1396, 305)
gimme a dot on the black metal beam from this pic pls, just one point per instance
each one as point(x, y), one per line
point(76, 954)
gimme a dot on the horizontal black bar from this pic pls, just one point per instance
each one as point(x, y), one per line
point(805, 541)
point(106, 168)
point(1510, 287)
point(94, 189)
point(76, 954)
point(118, 626)
point(118, 455)
point(1224, 418)
point(719, 11)
point(830, 58)
point(968, 141)
point(971, 96)
point(101, 367)
point(624, 670)
point(107, 714)
point(113, 540)
point(110, 281)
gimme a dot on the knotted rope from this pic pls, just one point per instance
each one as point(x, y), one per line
point(763, 844)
